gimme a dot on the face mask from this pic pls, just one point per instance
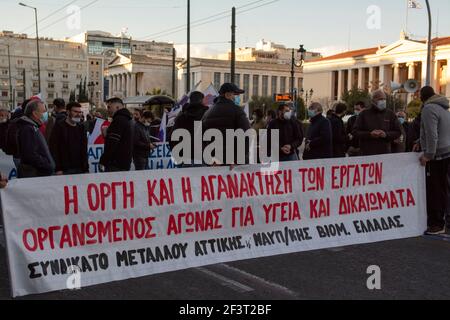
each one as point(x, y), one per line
point(3, 121)
point(382, 105)
point(76, 120)
point(402, 120)
point(357, 113)
point(288, 115)
point(147, 124)
point(44, 117)
point(311, 113)
point(237, 100)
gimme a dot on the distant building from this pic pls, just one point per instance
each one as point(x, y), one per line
point(63, 66)
point(373, 68)
point(256, 78)
point(102, 48)
point(268, 52)
point(135, 75)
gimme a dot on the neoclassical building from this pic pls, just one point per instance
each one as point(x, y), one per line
point(376, 67)
point(134, 75)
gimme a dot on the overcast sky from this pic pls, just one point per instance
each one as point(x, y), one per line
point(320, 24)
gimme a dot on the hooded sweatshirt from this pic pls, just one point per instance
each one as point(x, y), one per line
point(435, 128)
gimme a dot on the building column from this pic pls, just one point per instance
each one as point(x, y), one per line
point(340, 84)
point(372, 84)
point(411, 70)
point(447, 77)
point(132, 85)
point(110, 94)
point(361, 80)
point(113, 93)
point(350, 79)
point(396, 72)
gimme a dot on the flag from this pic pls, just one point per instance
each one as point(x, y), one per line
point(181, 103)
point(96, 137)
point(414, 4)
point(163, 128)
point(210, 94)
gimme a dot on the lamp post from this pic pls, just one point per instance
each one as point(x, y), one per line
point(430, 26)
point(296, 64)
point(188, 48)
point(37, 42)
point(91, 87)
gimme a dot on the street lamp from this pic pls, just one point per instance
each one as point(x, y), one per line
point(296, 64)
point(91, 87)
point(37, 42)
point(430, 26)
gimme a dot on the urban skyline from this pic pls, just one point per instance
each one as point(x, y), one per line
point(211, 36)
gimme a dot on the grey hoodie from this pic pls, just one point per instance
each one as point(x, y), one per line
point(435, 128)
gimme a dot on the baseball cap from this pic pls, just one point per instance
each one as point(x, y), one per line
point(230, 87)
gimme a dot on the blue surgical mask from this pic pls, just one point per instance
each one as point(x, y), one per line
point(44, 117)
point(382, 105)
point(311, 113)
point(402, 120)
point(237, 100)
point(357, 113)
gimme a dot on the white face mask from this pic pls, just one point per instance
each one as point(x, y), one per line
point(382, 105)
point(3, 121)
point(288, 115)
point(76, 120)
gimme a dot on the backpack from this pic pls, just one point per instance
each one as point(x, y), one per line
point(11, 143)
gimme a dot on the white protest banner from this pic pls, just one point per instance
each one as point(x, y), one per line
point(7, 167)
point(118, 226)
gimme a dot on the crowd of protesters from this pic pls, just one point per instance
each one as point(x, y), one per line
point(44, 144)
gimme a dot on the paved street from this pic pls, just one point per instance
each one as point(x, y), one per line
point(411, 269)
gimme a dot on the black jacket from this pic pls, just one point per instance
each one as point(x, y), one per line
point(35, 156)
point(142, 141)
point(413, 134)
point(3, 132)
point(320, 139)
point(69, 150)
point(374, 119)
point(354, 142)
point(119, 142)
point(290, 134)
point(339, 136)
point(52, 121)
point(186, 120)
point(226, 115)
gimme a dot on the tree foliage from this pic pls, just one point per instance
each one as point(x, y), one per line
point(353, 96)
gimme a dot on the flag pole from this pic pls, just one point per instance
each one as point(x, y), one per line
point(407, 17)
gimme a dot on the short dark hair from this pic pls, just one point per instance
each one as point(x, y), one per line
point(24, 104)
point(340, 108)
point(59, 104)
point(141, 112)
point(282, 106)
point(271, 113)
point(148, 115)
point(259, 113)
point(72, 105)
point(115, 100)
point(426, 93)
point(196, 97)
point(361, 104)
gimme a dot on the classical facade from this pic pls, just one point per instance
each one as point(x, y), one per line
point(256, 78)
point(376, 67)
point(63, 66)
point(102, 48)
point(135, 75)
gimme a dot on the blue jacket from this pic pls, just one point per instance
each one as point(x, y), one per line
point(34, 154)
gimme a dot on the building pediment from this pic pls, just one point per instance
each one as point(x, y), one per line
point(120, 60)
point(403, 46)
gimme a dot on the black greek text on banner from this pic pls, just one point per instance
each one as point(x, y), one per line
point(111, 227)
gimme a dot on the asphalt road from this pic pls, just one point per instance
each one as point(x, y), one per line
point(416, 268)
